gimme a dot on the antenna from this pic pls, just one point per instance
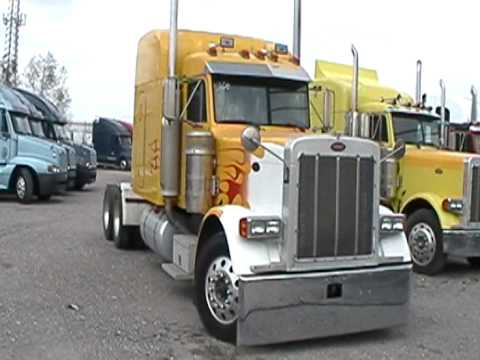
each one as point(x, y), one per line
point(12, 20)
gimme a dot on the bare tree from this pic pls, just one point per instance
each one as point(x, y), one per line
point(46, 77)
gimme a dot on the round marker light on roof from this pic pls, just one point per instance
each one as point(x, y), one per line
point(273, 57)
point(212, 49)
point(295, 60)
point(244, 54)
point(261, 54)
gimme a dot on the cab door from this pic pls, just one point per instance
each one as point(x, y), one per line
point(5, 144)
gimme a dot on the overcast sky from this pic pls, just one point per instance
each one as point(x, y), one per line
point(97, 39)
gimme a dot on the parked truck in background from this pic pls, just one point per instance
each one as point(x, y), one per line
point(280, 230)
point(38, 126)
point(54, 128)
point(29, 166)
point(437, 190)
point(112, 141)
point(465, 136)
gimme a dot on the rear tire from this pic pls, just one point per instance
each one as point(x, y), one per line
point(107, 215)
point(24, 186)
point(44, 197)
point(121, 233)
point(474, 261)
point(79, 186)
point(425, 241)
point(216, 289)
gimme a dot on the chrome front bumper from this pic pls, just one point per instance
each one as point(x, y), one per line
point(462, 242)
point(289, 307)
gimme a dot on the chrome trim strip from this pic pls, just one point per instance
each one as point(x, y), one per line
point(337, 205)
point(315, 206)
point(357, 204)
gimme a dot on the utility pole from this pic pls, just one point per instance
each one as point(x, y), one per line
point(12, 20)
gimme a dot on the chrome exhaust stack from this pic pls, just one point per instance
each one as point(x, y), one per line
point(443, 120)
point(297, 29)
point(354, 121)
point(473, 114)
point(418, 87)
point(170, 142)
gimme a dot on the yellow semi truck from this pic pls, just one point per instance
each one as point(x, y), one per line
point(280, 230)
point(437, 190)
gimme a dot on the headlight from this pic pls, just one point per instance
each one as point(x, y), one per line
point(453, 205)
point(260, 227)
point(53, 169)
point(392, 223)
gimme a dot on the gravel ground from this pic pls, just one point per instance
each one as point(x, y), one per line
point(66, 293)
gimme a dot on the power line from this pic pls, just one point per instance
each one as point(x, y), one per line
point(12, 20)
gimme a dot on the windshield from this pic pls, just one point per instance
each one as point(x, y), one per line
point(37, 128)
point(417, 129)
point(60, 132)
point(261, 101)
point(125, 140)
point(21, 124)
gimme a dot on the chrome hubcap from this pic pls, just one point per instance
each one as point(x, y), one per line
point(21, 187)
point(221, 291)
point(123, 164)
point(422, 243)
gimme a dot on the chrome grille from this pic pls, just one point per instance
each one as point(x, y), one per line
point(475, 195)
point(335, 205)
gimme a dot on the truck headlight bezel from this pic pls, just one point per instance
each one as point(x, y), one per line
point(390, 224)
point(260, 227)
point(454, 206)
point(54, 169)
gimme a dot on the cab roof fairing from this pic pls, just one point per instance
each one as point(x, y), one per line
point(11, 100)
point(47, 108)
point(116, 126)
point(258, 70)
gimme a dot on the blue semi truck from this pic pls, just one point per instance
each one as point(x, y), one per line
point(29, 166)
point(54, 128)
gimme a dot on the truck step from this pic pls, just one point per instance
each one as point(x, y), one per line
point(176, 273)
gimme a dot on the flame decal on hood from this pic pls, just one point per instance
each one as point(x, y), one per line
point(233, 168)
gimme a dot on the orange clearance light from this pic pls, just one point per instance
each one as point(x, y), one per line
point(243, 228)
point(245, 54)
point(212, 49)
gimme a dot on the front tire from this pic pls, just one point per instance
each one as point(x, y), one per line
point(216, 289)
point(424, 236)
point(24, 186)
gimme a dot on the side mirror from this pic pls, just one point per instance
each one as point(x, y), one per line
point(251, 139)
point(399, 150)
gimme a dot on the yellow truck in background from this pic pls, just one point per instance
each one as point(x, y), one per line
point(280, 231)
point(437, 190)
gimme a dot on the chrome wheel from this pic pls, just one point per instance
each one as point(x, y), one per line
point(221, 291)
point(422, 243)
point(21, 187)
point(123, 164)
